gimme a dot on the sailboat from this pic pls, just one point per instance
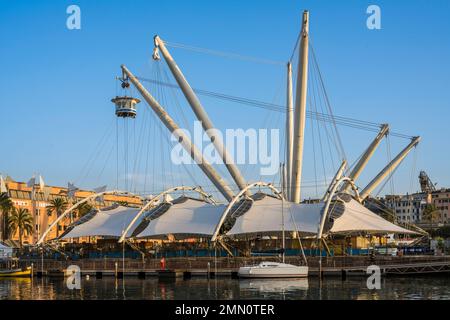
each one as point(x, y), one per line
point(276, 269)
point(273, 270)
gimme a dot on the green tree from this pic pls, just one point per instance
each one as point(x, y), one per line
point(431, 213)
point(22, 221)
point(6, 206)
point(83, 209)
point(58, 206)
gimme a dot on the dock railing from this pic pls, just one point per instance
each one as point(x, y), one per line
point(224, 263)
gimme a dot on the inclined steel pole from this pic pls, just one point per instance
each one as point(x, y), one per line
point(289, 131)
point(359, 167)
point(388, 169)
point(196, 155)
point(201, 114)
point(300, 110)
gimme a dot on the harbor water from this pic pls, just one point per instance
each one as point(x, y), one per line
point(398, 288)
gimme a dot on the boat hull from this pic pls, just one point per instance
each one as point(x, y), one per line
point(273, 272)
point(16, 273)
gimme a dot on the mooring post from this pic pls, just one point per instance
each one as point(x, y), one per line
point(343, 274)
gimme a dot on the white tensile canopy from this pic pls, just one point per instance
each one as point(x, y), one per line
point(188, 217)
point(356, 217)
point(265, 215)
point(105, 223)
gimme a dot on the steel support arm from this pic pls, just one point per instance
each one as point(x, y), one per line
point(201, 114)
point(388, 169)
point(196, 155)
point(359, 167)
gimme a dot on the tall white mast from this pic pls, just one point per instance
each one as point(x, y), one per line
point(201, 114)
point(388, 169)
point(204, 165)
point(300, 109)
point(289, 131)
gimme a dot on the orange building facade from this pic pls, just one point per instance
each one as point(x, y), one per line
point(21, 197)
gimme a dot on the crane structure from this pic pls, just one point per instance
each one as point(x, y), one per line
point(388, 169)
point(426, 185)
point(295, 129)
point(359, 167)
point(195, 153)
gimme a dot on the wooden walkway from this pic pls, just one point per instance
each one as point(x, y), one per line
point(344, 272)
point(228, 267)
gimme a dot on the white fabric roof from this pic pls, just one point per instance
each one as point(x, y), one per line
point(107, 223)
point(265, 215)
point(188, 217)
point(356, 217)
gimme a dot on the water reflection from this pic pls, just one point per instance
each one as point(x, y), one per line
point(225, 288)
point(274, 288)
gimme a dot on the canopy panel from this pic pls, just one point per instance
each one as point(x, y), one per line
point(266, 215)
point(105, 223)
point(356, 217)
point(187, 217)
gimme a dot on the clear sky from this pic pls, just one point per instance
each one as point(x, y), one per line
point(57, 83)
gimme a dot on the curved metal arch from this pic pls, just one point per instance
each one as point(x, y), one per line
point(155, 199)
point(74, 206)
point(330, 198)
point(237, 197)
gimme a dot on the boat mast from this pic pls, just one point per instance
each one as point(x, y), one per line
point(201, 114)
point(388, 169)
point(359, 167)
point(196, 155)
point(289, 131)
point(300, 109)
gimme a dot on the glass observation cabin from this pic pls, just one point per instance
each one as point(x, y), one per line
point(126, 106)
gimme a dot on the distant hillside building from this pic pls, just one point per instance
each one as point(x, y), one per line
point(441, 200)
point(407, 208)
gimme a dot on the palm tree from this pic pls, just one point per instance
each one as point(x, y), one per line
point(20, 219)
point(83, 209)
point(6, 206)
point(58, 206)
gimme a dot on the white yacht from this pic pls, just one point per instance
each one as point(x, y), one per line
point(273, 270)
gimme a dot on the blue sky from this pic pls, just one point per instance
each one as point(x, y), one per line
point(57, 83)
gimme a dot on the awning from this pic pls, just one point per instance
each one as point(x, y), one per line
point(184, 216)
point(104, 223)
point(266, 216)
point(356, 218)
